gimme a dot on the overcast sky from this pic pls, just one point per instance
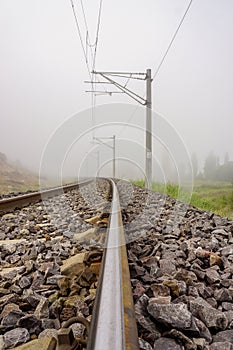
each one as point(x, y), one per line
point(42, 68)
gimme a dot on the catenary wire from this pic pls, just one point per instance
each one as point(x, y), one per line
point(97, 32)
point(87, 30)
point(93, 98)
point(163, 58)
point(172, 40)
point(80, 37)
point(93, 56)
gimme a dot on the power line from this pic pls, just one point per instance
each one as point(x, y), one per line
point(164, 56)
point(93, 56)
point(93, 99)
point(97, 33)
point(172, 40)
point(87, 30)
point(80, 37)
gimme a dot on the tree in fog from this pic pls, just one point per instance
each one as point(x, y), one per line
point(225, 171)
point(194, 164)
point(210, 167)
point(213, 170)
point(226, 158)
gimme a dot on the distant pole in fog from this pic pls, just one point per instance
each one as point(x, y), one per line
point(113, 147)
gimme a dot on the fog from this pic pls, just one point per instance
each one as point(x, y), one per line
point(46, 115)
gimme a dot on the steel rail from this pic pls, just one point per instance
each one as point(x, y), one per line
point(9, 204)
point(113, 324)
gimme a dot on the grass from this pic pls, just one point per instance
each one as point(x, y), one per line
point(211, 196)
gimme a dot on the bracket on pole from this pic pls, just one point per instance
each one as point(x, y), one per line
point(123, 88)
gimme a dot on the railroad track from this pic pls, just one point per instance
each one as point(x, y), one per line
point(113, 322)
point(58, 285)
point(14, 202)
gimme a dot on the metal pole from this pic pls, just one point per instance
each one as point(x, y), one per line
point(114, 156)
point(148, 130)
point(98, 162)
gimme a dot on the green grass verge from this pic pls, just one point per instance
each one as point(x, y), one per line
point(210, 196)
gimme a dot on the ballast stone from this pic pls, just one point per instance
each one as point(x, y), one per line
point(74, 265)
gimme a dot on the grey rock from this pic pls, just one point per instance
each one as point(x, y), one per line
point(212, 276)
point(49, 268)
point(220, 232)
point(2, 343)
point(38, 280)
point(167, 267)
point(47, 323)
point(204, 291)
point(211, 317)
point(2, 236)
point(223, 295)
point(199, 329)
point(31, 297)
point(227, 306)
point(221, 346)
point(167, 343)
point(193, 291)
point(54, 279)
point(143, 345)
point(182, 287)
point(224, 336)
point(9, 275)
point(229, 316)
point(8, 248)
point(200, 343)
point(15, 289)
point(161, 300)
point(12, 259)
point(42, 309)
point(227, 250)
point(143, 317)
point(8, 308)
point(24, 282)
point(29, 264)
point(68, 234)
point(213, 302)
point(182, 339)
point(160, 290)
point(7, 299)
point(12, 318)
point(139, 290)
point(16, 337)
point(48, 333)
point(175, 315)
point(31, 323)
point(78, 330)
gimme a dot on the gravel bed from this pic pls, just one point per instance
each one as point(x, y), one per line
point(181, 272)
point(49, 254)
point(180, 262)
point(15, 194)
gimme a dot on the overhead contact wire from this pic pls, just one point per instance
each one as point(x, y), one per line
point(164, 56)
point(172, 40)
point(97, 33)
point(80, 37)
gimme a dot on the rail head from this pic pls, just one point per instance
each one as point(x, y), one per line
point(113, 323)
